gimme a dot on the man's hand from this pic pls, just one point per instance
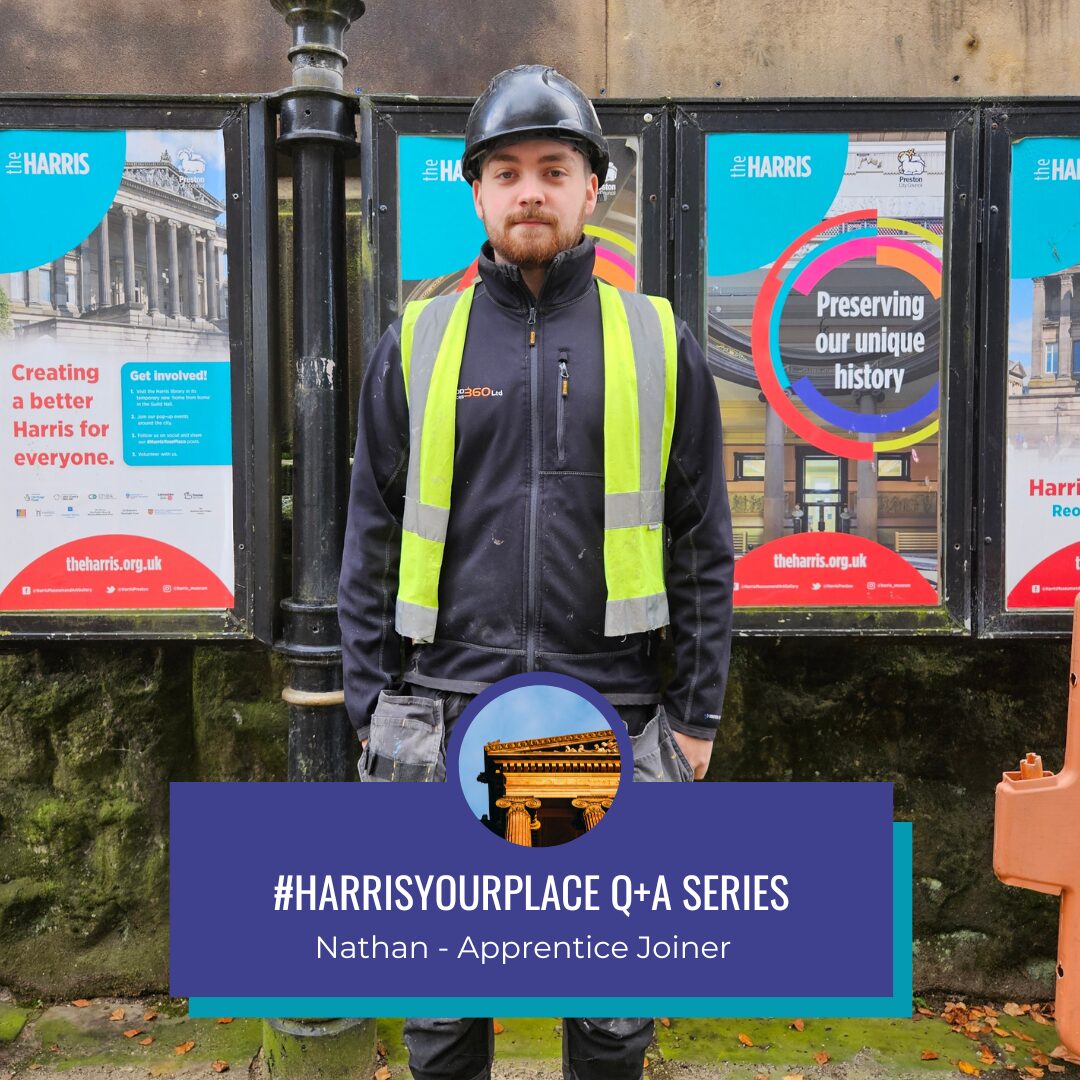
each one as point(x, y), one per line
point(697, 751)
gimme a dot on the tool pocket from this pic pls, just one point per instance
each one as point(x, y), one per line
point(406, 741)
point(657, 756)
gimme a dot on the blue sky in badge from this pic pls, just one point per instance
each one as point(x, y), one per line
point(529, 712)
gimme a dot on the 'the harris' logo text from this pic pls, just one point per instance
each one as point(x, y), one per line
point(53, 163)
point(1057, 169)
point(445, 169)
point(760, 166)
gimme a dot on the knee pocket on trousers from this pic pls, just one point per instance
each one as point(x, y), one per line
point(406, 740)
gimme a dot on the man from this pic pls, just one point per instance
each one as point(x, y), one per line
point(538, 485)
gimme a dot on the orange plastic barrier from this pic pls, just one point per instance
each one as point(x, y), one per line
point(1037, 845)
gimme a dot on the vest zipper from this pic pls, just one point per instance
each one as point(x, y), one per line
point(534, 494)
point(560, 405)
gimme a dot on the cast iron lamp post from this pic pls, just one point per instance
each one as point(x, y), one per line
point(317, 128)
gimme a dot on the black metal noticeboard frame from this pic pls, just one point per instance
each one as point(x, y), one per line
point(384, 119)
point(248, 127)
point(693, 122)
point(1002, 124)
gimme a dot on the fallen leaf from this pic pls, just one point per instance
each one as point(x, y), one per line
point(116, 1014)
point(821, 1057)
point(150, 1014)
point(380, 1049)
point(1024, 1038)
point(665, 1021)
point(1008, 1048)
point(147, 1041)
point(929, 1055)
point(1038, 1017)
point(968, 1069)
point(225, 1019)
point(1056, 1068)
point(745, 1039)
point(1039, 1057)
point(1010, 1008)
point(80, 1003)
point(36, 1066)
point(219, 1066)
point(1000, 1031)
point(132, 1032)
point(184, 1047)
point(765, 1076)
point(499, 1029)
point(382, 1073)
point(925, 1011)
point(1065, 1054)
point(645, 1065)
point(798, 1025)
point(986, 1057)
point(794, 1076)
point(1032, 1071)
point(55, 1048)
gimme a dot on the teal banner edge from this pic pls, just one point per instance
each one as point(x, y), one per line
point(898, 1005)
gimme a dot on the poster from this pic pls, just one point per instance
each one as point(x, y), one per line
point(440, 234)
point(115, 429)
point(1042, 457)
point(823, 296)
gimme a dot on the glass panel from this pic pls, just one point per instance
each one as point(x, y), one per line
point(1042, 457)
point(823, 296)
point(441, 235)
point(117, 428)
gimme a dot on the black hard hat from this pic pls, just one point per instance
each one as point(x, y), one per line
point(532, 101)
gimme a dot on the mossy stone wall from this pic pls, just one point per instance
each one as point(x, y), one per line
point(91, 736)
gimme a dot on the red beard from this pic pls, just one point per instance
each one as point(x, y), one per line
point(536, 245)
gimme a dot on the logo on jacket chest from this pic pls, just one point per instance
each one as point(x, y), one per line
point(466, 392)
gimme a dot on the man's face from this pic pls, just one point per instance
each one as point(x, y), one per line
point(533, 198)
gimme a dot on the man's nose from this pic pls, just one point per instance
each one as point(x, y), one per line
point(531, 193)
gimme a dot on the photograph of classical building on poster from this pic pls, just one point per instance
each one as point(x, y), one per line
point(823, 298)
point(1042, 456)
point(115, 421)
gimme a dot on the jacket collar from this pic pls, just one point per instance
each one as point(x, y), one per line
point(569, 277)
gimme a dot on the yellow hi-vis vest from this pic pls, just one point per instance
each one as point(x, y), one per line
point(640, 361)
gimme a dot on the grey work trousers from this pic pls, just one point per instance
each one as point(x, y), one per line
point(408, 738)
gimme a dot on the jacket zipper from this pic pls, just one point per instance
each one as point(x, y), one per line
point(534, 494)
point(534, 485)
point(560, 405)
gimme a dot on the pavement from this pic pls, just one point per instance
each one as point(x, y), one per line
point(109, 1039)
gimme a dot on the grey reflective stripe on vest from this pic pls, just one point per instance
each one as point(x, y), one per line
point(427, 337)
point(426, 521)
point(630, 616)
point(624, 509)
point(414, 621)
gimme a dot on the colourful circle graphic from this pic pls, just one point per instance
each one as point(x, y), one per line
point(860, 243)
